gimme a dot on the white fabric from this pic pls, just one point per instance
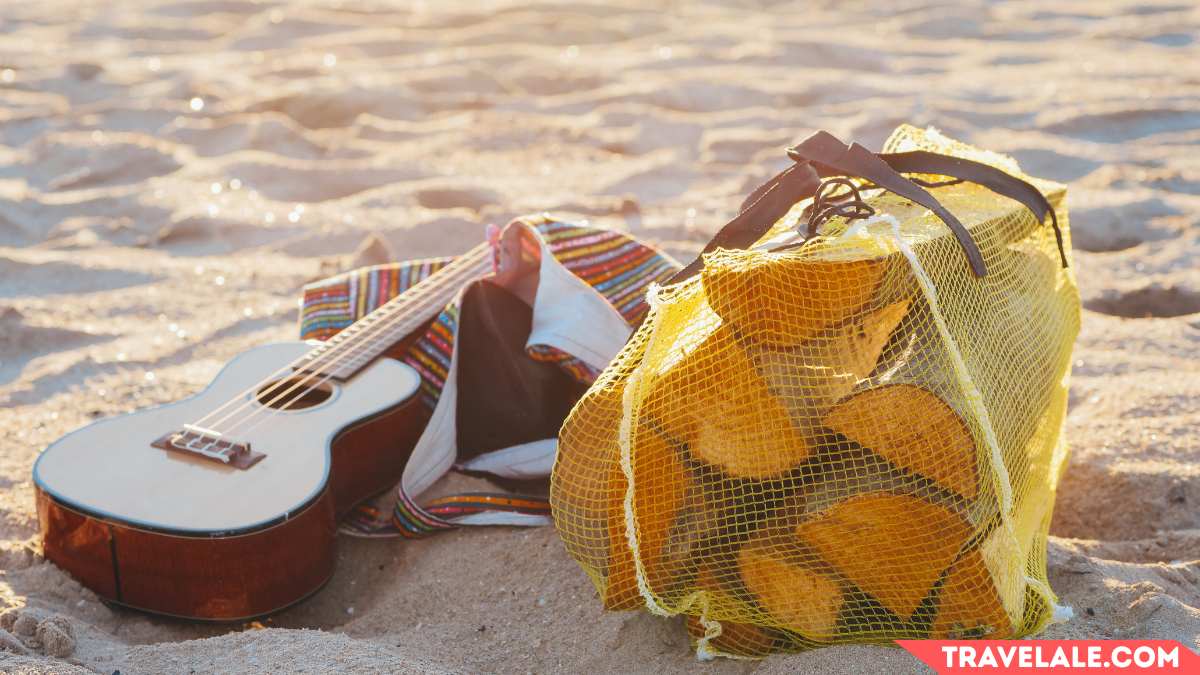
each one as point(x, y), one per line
point(503, 518)
point(527, 460)
point(434, 453)
point(572, 316)
point(567, 314)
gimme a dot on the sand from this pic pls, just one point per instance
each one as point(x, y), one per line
point(172, 172)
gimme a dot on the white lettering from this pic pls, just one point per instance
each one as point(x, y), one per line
point(1007, 655)
point(1011, 656)
point(949, 650)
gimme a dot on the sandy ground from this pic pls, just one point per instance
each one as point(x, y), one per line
point(172, 172)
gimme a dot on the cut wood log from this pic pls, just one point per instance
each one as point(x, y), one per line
point(808, 380)
point(912, 410)
point(784, 298)
point(855, 346)
point(588, 497)
point(915, 411)
point(660, 490)
point(892, 546)
point(584, 494)
point(735, 509)
point(914, 429)
point(619, 591)
point(715, 402)
point(844, 472)
point(968, 605)
point(796, 596)
point(736, 638)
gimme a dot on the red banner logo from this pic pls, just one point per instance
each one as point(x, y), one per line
point(1053, 656)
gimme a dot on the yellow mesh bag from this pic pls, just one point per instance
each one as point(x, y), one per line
point(853, 437)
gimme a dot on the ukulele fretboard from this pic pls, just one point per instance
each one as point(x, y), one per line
point(357, 345)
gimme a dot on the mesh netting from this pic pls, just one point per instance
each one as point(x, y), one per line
point(856, 440)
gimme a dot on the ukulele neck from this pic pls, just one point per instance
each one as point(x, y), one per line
point(348, 352)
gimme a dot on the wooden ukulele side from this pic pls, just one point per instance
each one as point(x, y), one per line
point(375, 451)
point(213, 578)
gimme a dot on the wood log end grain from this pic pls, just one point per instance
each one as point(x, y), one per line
point(797, 597)
point(914, 429)
point(969, 605)
point(660, 489)
point(894, 547)
point(785, 298)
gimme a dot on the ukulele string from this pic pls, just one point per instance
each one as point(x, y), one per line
point(330, 352)
point(334, 358)
point(269, 410)
point(240, 397)
point(329, 360)
point(330, 349)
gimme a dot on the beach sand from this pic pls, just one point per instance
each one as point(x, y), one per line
point(172, 172)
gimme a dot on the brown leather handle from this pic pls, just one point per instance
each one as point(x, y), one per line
point(767, 204)
point(823, 155)
point(1007, 185)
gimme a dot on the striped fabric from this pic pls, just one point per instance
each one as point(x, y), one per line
point(329, 306)
point(619, 267)
point(430, 354)
point(616, 265)
point(411, 521)
point(332, 304)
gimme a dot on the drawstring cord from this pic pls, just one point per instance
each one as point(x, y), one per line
point(827, 204)
point(849, 205)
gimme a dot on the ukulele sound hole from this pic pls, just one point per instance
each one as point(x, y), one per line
point(293, 393)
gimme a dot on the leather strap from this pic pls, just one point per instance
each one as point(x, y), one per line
point(768, 203)
point(823, 155)
point(1007, 185)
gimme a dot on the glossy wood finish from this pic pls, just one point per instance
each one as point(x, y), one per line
point(219, 578)
point(79, 544)
point(369, 457)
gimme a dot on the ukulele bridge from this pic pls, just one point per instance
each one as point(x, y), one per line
point(210, 445)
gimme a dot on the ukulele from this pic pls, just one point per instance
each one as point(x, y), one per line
point(224, 506)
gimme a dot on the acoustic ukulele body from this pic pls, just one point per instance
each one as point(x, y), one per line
point(150, 526)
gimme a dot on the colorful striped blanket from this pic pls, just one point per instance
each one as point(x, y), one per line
point(586, 272)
